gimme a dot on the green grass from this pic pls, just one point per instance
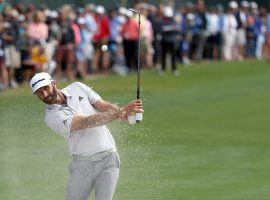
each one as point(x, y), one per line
point(205, 136)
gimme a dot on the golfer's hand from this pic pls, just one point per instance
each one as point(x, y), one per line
point(135, 106)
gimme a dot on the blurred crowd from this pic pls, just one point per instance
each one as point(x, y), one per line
point(79, 42)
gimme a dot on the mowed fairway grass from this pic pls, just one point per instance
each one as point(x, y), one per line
point(205, 136)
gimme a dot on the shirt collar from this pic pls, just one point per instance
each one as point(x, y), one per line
point(66, 93)
point(53, 107)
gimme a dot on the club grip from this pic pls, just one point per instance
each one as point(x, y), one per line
point(131, 119)
point(137, 118)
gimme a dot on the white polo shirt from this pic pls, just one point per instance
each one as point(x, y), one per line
point(79, 102)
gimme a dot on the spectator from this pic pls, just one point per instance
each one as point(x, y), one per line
point(37, 33)
point(3, 70)
point(155, 16)
point(116, 21)
point(52, 41)
point(241, 17)
point(27, 66)
point(230, 32)
point(146, 36)
point(65, 49)
point(100, 38)
point(38, 56)
point(75, 28)
point(251, 37)
point(220, 11)
point(186, 26)
point(266, 47)
point(30, 12)
point(260, 24)
point(11, 53)
point(130, 38)
point(169, 33)
point(91, 25)
point(84, 49)
point(90, 20)
point(214, 33)
point(199, 32)
point(38, 30)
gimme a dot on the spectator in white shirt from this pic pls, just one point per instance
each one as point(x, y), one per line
point(213, 31)
point(230, 32)
point(241, 18)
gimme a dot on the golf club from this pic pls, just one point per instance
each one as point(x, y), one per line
point(138, 116)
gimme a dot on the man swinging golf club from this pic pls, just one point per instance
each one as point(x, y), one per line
point(80, 115)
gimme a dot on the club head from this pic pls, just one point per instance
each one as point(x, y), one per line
point(135, 11)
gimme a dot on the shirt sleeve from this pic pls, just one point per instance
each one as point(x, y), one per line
point(92, 96)
point(59, 123)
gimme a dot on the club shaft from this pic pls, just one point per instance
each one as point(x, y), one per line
point(139, 60)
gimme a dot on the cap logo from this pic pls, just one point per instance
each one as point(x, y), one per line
point(33, 85)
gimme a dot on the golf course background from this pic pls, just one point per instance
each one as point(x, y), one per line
point(205, 136)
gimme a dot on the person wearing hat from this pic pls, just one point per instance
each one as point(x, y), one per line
point(241, 17)
point(80, 115)
point(64, 54)
point(130, 37)
point(84, 50)
point(169, 35)
point(230, 32)
point(101, 59)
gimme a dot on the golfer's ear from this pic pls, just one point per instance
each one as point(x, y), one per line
point(53, 83)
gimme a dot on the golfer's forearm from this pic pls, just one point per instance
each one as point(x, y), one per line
point(105, 106)
point(99, 119)
point(110, 107)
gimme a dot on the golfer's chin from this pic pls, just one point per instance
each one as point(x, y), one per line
point(49, 100)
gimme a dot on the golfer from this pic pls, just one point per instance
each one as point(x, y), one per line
point(80, 115)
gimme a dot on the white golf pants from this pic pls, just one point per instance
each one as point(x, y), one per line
point(86, 175)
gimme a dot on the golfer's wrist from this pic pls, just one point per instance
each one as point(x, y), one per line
point(122, 113)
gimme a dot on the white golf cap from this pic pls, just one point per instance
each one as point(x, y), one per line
point(122, 10)
point(81, 21)
point(190, 16)
point(100, 9)
point(40, 80)
point(245, 4)
point(53, 14)
point(233, 4)
point(253, 5)
point(168, 11)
